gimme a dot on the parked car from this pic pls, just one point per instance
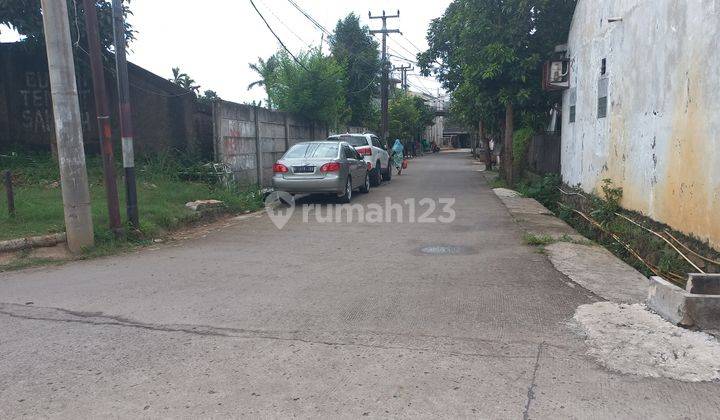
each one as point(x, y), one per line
point(330, 167)
point(373, 151)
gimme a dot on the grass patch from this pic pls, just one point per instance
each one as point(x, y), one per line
point(498, 182)
point(538, 240)
point(164, 185)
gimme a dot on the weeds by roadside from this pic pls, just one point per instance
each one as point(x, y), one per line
point(650, 247)
point(164, 185)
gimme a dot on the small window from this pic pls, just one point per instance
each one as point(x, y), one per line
point(603, 67)
point(602, 104)
point(602, 107)
point(573, 105)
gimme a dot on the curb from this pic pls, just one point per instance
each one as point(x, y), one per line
point(32, 242)
point(590, 266)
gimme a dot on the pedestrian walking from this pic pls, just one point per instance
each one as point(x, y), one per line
point(397, 155)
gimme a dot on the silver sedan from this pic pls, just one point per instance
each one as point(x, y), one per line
point(332, 167)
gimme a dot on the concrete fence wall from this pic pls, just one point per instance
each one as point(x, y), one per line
point(166, 118)
point(240, 131)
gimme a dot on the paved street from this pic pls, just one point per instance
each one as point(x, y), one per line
point(326, 320)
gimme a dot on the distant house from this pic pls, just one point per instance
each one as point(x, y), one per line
point(439, 104)
point(643, 109)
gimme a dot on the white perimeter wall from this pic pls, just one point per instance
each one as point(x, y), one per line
point(661, 138)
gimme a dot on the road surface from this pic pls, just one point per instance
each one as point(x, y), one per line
point(322, 320)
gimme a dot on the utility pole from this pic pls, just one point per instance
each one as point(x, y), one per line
point(403, 75)
point(103, 115)
point(384, 89)
point(126, 131)
point(68, 126)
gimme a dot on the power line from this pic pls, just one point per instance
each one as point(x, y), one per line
point(310, 18)
point(286, 25)
point(411, 43)
point(277, 37)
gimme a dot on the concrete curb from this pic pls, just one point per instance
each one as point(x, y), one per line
point(694, 306)
point(587, 265)
point(32, 242)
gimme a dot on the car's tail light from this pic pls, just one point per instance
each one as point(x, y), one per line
point(279, 168)
point(364, 151)
point(330, 167)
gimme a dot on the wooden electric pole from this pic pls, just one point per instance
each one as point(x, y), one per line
point(403, 75)
point(103, 115)
point(384, 88)
point(68, 126)
point(126, 131)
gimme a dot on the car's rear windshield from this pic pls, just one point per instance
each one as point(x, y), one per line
point(313, 150)
point(354, 141)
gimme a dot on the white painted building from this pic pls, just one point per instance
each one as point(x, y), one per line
point(643, 108)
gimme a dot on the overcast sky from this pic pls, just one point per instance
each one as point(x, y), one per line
point(214, 40)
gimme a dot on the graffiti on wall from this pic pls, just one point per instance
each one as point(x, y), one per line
point(35, 103)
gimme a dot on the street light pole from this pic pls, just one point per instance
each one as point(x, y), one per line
point(103, 115)
point(126, 131)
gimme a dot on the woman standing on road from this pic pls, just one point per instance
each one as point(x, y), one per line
point(397, 155)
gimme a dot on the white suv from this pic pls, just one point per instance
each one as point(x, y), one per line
point(373, 150)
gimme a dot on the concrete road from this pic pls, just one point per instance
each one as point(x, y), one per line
point(322, 320)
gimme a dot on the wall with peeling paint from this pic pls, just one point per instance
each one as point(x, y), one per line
point(660, 140)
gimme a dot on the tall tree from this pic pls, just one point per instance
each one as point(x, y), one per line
point(184, 81)
point(489, 52)
point(313, 87)
point(266, 70)
point(356, 50)
point(25, 16)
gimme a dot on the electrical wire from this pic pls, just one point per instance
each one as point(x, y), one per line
point(277, 37)
point(308, 44)
point(310, 18)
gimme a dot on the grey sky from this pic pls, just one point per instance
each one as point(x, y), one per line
point(214, 40)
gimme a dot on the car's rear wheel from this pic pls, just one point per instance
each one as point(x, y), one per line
point(345, 198)
point(376, 175)
point(366, 186)
point(387, 172)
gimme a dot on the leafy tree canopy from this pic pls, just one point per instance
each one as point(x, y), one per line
point(266, 70)
point(25, 16)
point(490, 52)
point(355, 49)
point(314, 87)
point(408, 116)
point(184, 81)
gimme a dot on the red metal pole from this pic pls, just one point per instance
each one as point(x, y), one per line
point(103, 115)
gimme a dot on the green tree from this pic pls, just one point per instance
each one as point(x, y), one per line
point(208, 97)
point(355, 49)
point(408, 116)
point(313, 87)
point(488, 53)
point(265, 69)
point(25, 17)
point(184, 81)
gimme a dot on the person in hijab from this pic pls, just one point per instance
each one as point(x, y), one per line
point(397, 155)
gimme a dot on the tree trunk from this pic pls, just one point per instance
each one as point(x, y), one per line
point(508, 146)
point(486, 145)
